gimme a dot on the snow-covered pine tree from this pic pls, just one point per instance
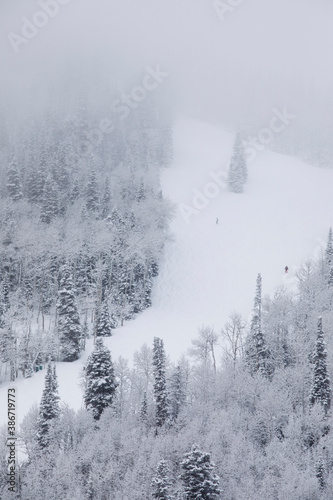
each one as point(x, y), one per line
point(177, 393)
point(104, 324)
point(39, 177)
point(92, 192)
point(257, 354)
point(14, 186)
point(49, 407)
point(34, 184)
point(320, 473)
point(237, 174)
point(8, 349)
point(141, 191)
point(160, 390)
point(144, 408)
point(329, 248)
point(89, 488)
point(161, 482)
point(4, 299)
point(50, 202)
point(69, 328)
point(321, 385)
point(100, 380)
point(330, 277)
point(199, 481)
point(61, 170)
point(329, 258)
point(75, 192)
point(106, 199)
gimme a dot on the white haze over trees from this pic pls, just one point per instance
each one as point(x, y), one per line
point(263, 54)
point(90, 99)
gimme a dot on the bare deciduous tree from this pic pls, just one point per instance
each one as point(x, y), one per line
point(232, 333)
point(204, 346)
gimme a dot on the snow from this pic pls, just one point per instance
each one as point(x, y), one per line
point(209, 269)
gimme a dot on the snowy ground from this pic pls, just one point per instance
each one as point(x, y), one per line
point(209, 270)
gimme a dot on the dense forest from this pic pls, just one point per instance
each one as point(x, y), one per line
point(82, 230)
point(254, 424)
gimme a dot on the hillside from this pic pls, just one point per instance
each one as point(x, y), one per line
point(209, 269)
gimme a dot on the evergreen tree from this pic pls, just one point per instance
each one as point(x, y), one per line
point(100, 380)
point(60, 171)
point(36, 180)
point(320, 473)
point(75, 192)
point(69, 328)
point(14, 186)
point(104, 325)
point(106, 200)
point(8, 349)
point(177, 393)
point(257, 354)
point(144, 409)
point(161, 482)
point(160, 391)
point(49, 407)
point(329, 258)
point(329, 248)
point(92, 192)
point(4, 299)
point(321, 385)
point(141, 191)
point(330, 277)
point(32, 185)
point(199, 481)
point(89, 488)
point(237, 175)
point(50, 201)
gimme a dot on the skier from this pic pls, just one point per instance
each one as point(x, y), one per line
point(286, 269)
point(217, 220)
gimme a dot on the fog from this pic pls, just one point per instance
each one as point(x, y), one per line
point(226, 62)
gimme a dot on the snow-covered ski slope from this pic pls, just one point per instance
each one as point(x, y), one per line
point(209, 269)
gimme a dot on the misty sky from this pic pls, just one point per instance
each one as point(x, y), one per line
point(269, 48)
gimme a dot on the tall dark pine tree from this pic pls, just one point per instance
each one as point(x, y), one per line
point(237, 174)
point(49, 407)
point(14, 186)
point(160, 390)
point(161, 482)
point(144, 409)
point(69, 328)
point(257, 354)
point(321, 385)
point(104, 325)
point(199, 481)
point(100, 380)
